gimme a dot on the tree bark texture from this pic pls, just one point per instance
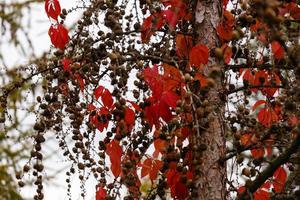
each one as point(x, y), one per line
point(211, 184)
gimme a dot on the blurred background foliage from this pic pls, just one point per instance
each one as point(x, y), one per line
point(14, 145)
point(22, 29)
point(13, 27)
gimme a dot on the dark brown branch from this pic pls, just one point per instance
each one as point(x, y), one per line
point(257, 66)
point(293, 20)
point(269, 171)
point(253, 87)
point(136, 57)
point(284, 197)
point(7, 89)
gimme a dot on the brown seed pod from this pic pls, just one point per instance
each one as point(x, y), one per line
point(26, 168)
point(246, 172)
point(21, 184)
point(80, 166)
point(219, 53)
point(187, 77)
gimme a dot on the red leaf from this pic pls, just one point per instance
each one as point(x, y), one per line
point(80, 81)
point(172, 177)
point(228, 18)
point(98, 91)
point(273, 78)
point(91, 107)
point(258, 153)
point(156, 166)
point(95, 118)
point(164, 111)
point(150, 25)
point(146, 31)
point(267, 116)
point(264, 116)
point(184, 44)
point(224, 32)
point(63, 88)
point(261, 29)
point(178, 7)
point(184, 132)
point(179, 191)
point(158, 109)
point(151, 167)
point(255, 77)
point(152, 115)
point(146, 167)
point(241, 189)
point(225, 28)
point(160, 145)
point(277, 50)
point(129, 116)
point(224, 3)
point(163, 97)
point(100, 193)
point(154, 81)
point(105, 95)
point(227, 53)
point(160, 83)
point(52, 8)
point(266, 185)
point(114, 151)
point(261, 195)
point(258, 103)
point(260, 74)
point(257, 26)
point(107, 99)
point(167, 3)
point(199, 55)
point(202, 79)
point(135, 106)
point(66, 64)
point(293, 120)
point(59, 36)
point(246, 139)
point(171, 18)
point(170, 98)
point(247, 75)
point(280, 177)
point(293, 9)
point(172, 78)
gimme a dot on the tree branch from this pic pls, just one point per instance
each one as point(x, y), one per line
point(269, 171)
point(253, 87)
point(257, 66)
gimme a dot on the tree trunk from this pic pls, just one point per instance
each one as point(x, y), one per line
point(211, 184)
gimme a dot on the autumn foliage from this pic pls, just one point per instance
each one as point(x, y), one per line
point(140, 93)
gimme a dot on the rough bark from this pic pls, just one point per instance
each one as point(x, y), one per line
point(211, 182)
